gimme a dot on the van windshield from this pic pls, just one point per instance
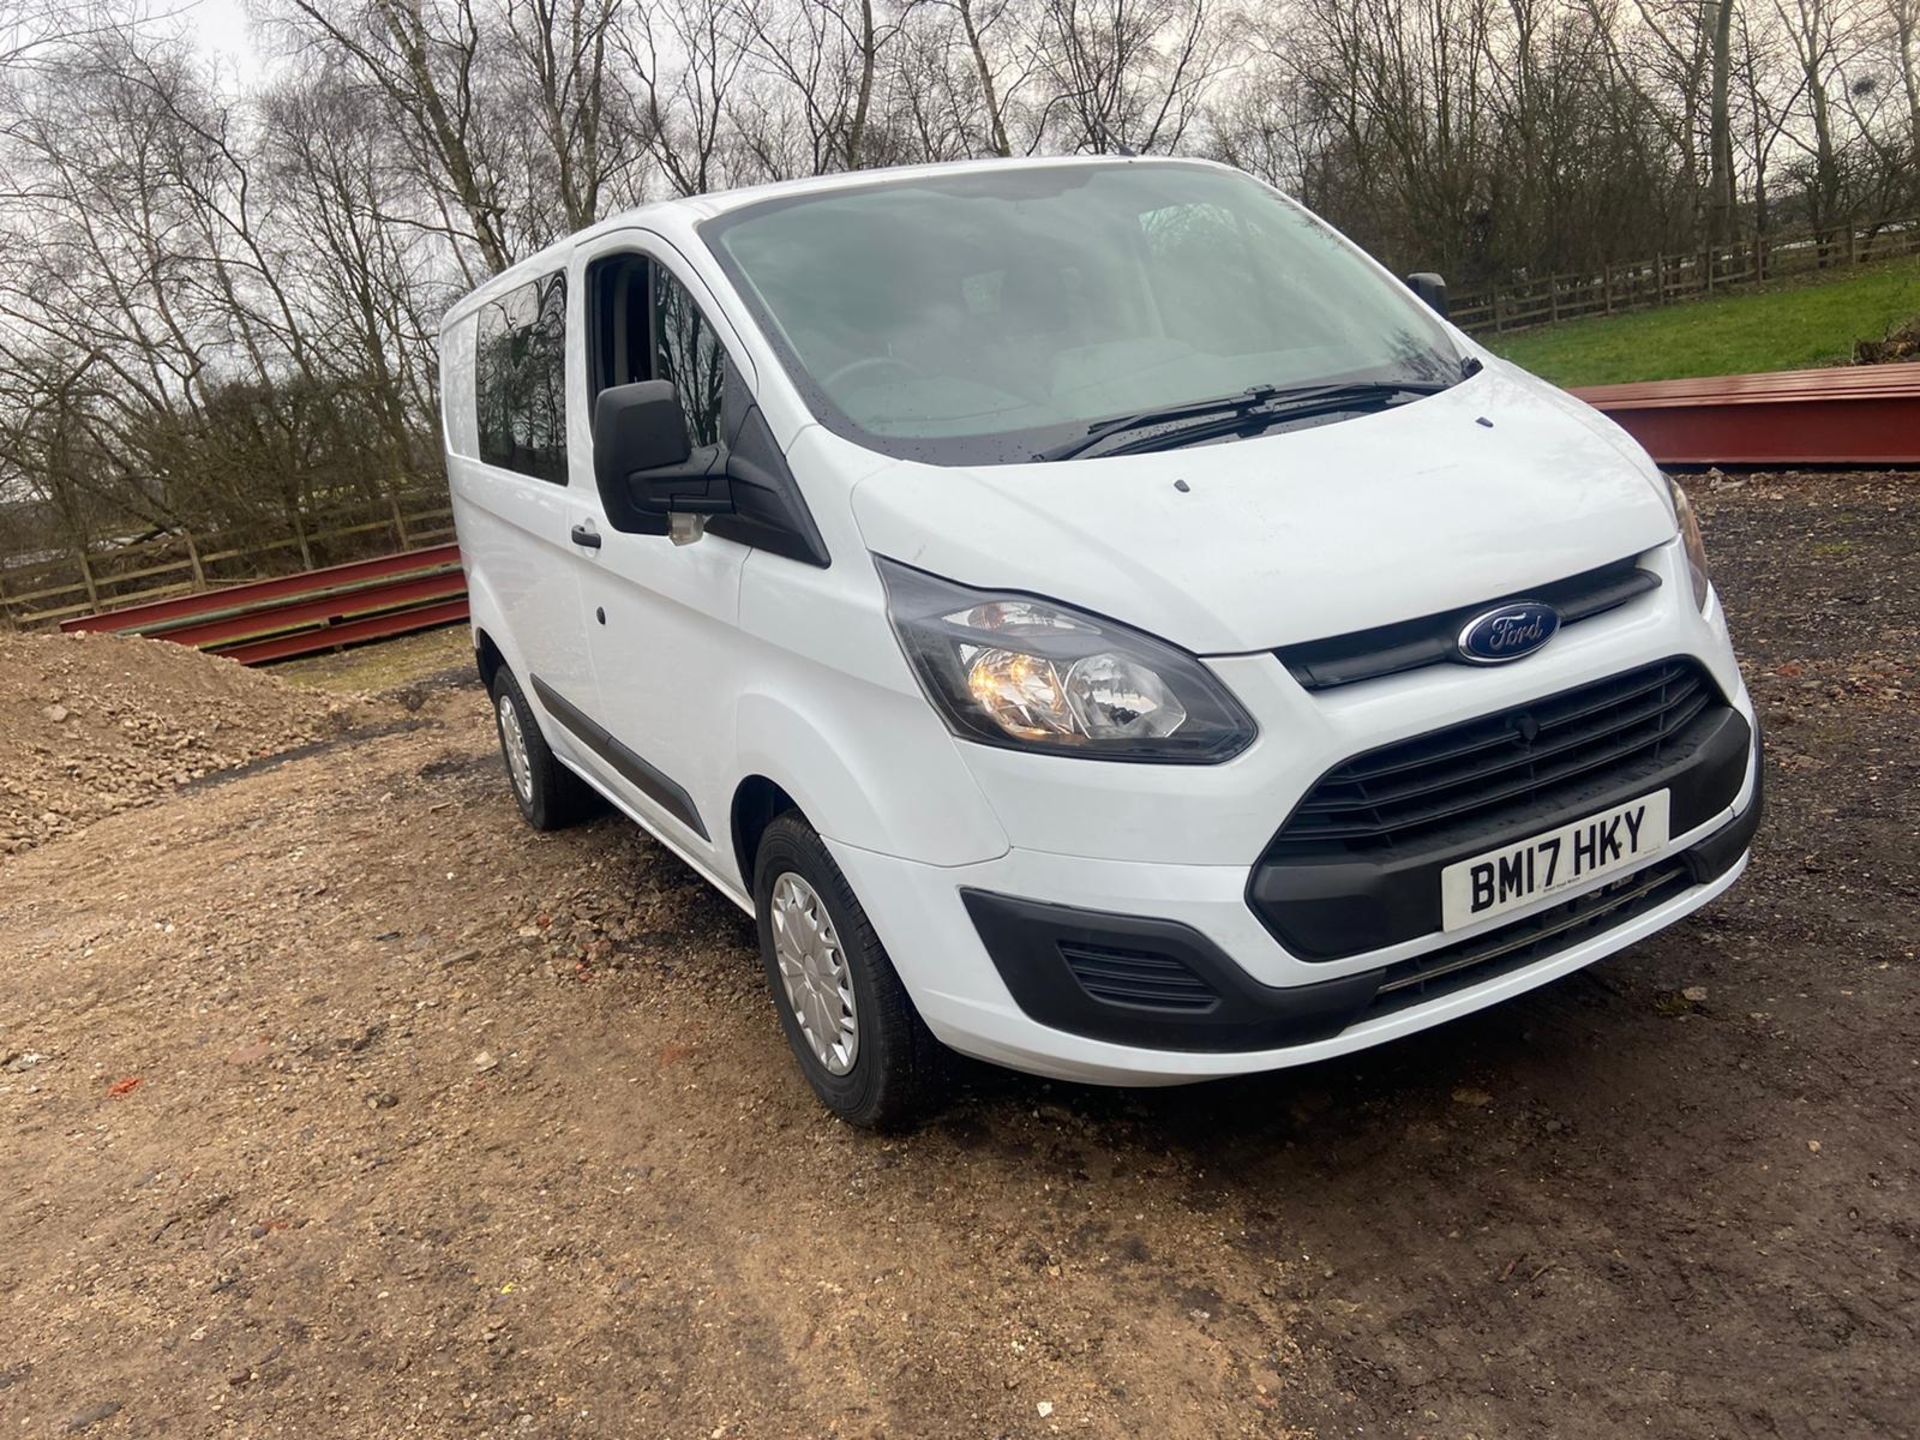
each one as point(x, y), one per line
point(990, 316)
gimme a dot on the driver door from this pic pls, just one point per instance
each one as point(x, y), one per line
point(662, 618)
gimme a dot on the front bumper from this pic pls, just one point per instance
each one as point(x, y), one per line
point(921, 913)
point(1144, 981)
point(1040, 958)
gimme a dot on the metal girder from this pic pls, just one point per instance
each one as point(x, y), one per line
point(350, 632)
point(1861, 415)
point(325, 610)
point(256, 594)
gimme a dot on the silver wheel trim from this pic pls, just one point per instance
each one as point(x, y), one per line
point(815, 974)
point(513, 740)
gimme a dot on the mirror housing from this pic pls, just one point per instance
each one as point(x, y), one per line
point(1432, 289)
point(645, 463)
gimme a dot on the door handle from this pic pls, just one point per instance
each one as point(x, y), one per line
point(586, 535)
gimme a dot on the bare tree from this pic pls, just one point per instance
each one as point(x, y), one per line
point(685, 57)
point(1905, 16)
point(423, 56)
point(1124, 74)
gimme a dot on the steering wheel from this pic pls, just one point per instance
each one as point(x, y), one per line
point(873, 362)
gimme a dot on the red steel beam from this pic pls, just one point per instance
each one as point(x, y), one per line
point(254, 593)
point(325, 609)
point(1858, 415)
point(374, 627)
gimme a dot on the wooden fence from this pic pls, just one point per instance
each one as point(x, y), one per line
point(46, 589)
point(1665, 279)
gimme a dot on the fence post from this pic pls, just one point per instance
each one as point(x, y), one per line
point(6, 610)
point(86, 576)
point(1553, 299)
point(300, 534)
point(1606, 282)
point(399, 521)
point(193, 558)
point(1853, 254)
point(1659, 279)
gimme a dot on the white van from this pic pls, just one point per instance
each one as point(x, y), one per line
point(1092, 615)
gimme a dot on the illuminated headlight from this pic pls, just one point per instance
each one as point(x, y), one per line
point(1689, 524)
point(1016, 671)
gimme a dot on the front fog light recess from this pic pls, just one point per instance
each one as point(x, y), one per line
point(1016, 671)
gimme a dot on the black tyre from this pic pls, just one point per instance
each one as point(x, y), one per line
point(863, 1046)
point(549, 794)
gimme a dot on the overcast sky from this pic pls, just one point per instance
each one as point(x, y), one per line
point(220, 27)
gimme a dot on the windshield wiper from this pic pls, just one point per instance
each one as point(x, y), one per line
point(1262, 405)
point(1225, 405)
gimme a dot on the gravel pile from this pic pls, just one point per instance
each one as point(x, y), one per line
point(94, 724)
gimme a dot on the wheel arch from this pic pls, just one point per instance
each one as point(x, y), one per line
point(487, 657)
point(492, 643)
point(865, 787)
point(757, 802)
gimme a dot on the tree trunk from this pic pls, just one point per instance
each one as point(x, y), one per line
point(1906, 23)
point(1720, 170)
point(996, 125)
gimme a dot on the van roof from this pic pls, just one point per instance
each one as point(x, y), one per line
point(681, 214)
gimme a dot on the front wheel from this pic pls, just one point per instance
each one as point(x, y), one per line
point(862, 1045)
point(549, 794)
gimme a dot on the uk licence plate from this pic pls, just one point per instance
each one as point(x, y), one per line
point(1546, 864)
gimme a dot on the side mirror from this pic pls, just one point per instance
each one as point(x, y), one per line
point(1432, 289)
point(645, 463)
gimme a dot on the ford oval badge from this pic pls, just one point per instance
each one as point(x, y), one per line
point(1496, 636)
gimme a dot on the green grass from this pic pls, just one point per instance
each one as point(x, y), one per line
point(384, 664)
point(1793, 326)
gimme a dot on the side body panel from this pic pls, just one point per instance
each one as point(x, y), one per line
point(513, 533)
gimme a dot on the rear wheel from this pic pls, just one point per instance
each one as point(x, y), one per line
point(863, 1047)
point(549, 794)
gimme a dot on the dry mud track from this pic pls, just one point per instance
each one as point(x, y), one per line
point(444, 1128)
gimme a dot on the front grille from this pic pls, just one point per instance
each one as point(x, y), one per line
point(1470, 776)
point(1137, 977)
point(1525, 942)
point(1430, 639)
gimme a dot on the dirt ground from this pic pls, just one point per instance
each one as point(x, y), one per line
point(337, 1103)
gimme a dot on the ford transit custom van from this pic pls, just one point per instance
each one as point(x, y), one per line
point(1090, 614)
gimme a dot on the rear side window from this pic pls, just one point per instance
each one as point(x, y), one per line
point(520, 380)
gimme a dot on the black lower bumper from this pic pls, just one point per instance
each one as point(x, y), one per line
point(1333, 907)
point(1136, 980)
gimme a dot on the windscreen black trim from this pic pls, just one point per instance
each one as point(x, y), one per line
point(657, 786)
point(1429, 640)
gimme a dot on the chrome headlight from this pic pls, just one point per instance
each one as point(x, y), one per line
point(1028, 674)
point(1689, 524)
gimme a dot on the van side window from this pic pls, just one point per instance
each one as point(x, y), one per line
point(619, 330)
point(520, 380)
point(690, 355)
